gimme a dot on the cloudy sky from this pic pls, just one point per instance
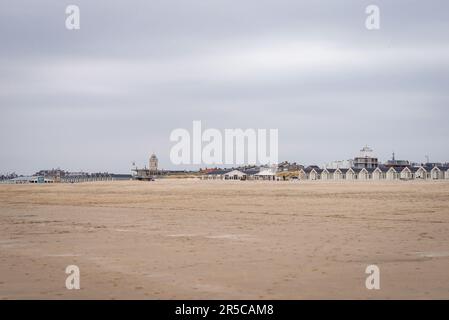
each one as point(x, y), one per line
point(98, 98)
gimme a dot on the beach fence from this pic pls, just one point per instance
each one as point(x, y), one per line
point(95, 177)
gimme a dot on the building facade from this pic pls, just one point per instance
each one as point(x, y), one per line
point(366, 159)
point(153, 163)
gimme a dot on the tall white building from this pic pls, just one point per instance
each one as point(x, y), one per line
point(153, 163)
point(366, 159)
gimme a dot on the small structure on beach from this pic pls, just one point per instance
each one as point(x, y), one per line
point(380, 173)
point(327, 174)
point(438, 172)
point(338, 174)
point(392, 174)
point(266, 174)
point(30, 179)
point(352, 174)
point(421, 173)
point(406, 174)
point(235, 175)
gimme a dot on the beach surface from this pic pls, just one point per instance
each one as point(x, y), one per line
point(193, 239)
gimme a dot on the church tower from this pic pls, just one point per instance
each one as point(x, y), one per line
point(153, 163)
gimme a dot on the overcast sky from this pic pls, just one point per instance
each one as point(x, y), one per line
point(98, 98)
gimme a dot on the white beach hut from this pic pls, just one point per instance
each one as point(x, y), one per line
point(302, 175)
point(437, 173)
point(364, 174)
point(315, 174)
point(379, 173)
point(406, 174)
point(351, 174)
point(325, 174)
point(421, 173)
point(338, 174)
point(392, 174)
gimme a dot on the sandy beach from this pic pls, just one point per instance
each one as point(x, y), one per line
point(192, 239)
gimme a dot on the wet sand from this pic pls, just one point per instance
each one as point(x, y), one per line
point(192, 239)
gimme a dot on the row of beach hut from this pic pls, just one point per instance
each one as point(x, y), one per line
point(378, 173)
point(351, 174)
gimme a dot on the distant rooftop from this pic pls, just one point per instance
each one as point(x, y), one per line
point(366, 152)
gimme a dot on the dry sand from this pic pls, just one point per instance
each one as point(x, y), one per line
point(218, 240)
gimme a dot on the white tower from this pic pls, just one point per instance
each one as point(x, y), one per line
point(153, 163)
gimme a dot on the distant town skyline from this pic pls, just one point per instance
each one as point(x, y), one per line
point(98, 98)
point(150, 162)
